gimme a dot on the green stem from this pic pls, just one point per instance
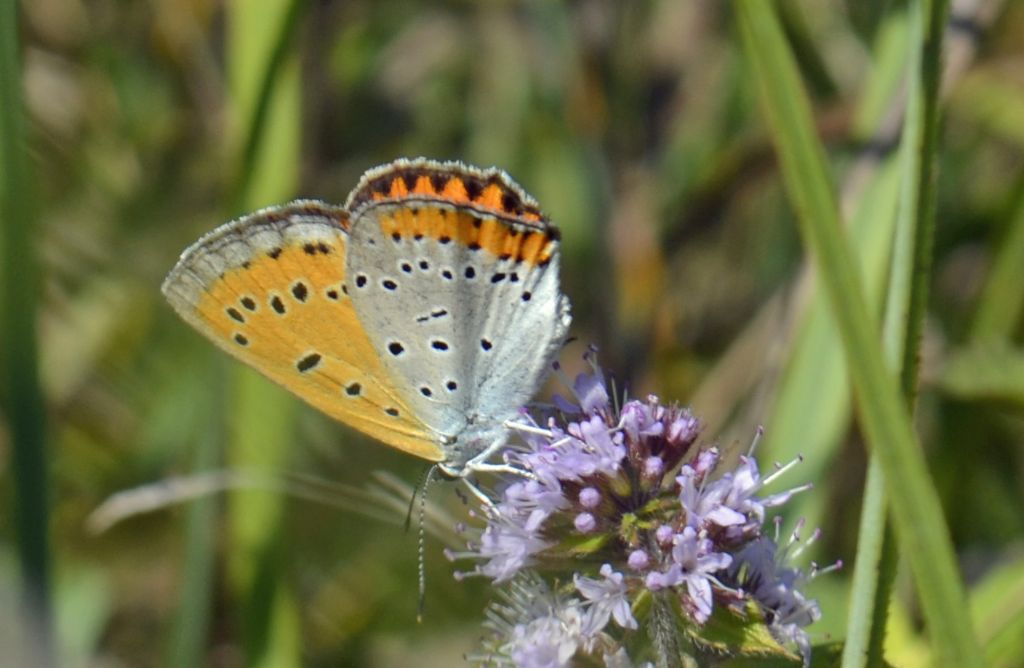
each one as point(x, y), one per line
point(23, 404)
point(257, 120)
point(187, 645)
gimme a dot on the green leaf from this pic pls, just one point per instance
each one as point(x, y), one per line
point(985, 371)
point(730, 632)
point(822, 656)
point(997, 606)
point(583, 544)
point(1002, 301)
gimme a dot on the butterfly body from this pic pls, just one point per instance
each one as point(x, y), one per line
point(424, 312)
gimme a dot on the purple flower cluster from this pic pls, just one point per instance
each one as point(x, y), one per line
point(621, 498)
point(534, 625)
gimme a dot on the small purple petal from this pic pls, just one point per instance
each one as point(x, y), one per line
point(591, 392)
point(656, 580)
point(608, 598)
point(699, 590)
point(638, 560)
point(590, 497)
point(725, 517)
point(585, 523)
point(683, 428)
point(564, 405)
point(654, 467)
point(706, 462)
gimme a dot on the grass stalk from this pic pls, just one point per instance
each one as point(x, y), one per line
point(883, 414)
point(23, 405)
point(263, 74)
point(875, 566)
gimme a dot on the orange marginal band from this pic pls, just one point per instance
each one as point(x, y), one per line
point(487, 191)
point(531, 244)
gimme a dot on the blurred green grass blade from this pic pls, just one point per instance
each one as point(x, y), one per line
point(187, 644)
point(986, 371)
point(1002, 300)
point(263, 75)
point(254, 104)
point(915, 229)
point(992, 101)
point(813, 68)
point(83, 602)
point(873, 575)
point(23, 405)
point(923, 535)
point(997, 607)
point(816, 373)
point(262, 419)
point(875, 564)
point(888, 64)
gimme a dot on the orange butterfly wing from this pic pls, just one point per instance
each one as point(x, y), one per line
point(270, 290)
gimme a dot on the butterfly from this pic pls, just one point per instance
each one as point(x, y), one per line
point(424, 312)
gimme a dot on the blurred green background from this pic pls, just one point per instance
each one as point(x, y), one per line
point(636, 125)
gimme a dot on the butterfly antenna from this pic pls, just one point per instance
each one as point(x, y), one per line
point(420, 489)
point(421, 547)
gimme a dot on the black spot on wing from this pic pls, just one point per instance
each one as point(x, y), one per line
point(308, 362)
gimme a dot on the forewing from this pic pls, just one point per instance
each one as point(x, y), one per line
point(270, 289)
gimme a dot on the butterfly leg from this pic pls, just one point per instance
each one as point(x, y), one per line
point(484, 500)
point(479, 464)
point(527, 428)
point(504, 468)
